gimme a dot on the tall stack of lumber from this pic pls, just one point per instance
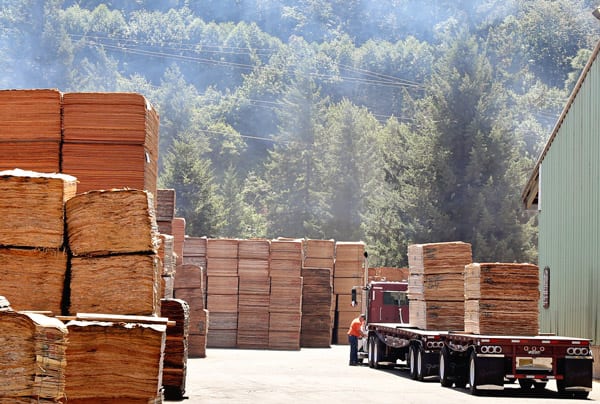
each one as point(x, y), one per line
point(222, 292)
point(176, 348)
point(115, 360)
point(318, 300)
point(436, 284)
point(501, 298)
point(176, 228)
point(254, 292)
point(110, 140)
point(189, 279)
point(194, 252)
point(113, 240)
point(32, 348)
point(348, 273)
point(388, 274)
point(165, 212)
point(32, 256)
point(30, 130)
point(285, 303)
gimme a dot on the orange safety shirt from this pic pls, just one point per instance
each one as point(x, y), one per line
point(355, 328)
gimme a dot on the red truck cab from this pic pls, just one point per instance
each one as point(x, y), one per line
point(387, 302)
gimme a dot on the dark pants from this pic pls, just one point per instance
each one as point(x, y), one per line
point(353, 349)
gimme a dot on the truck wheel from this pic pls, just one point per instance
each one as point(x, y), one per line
point(412, 362)
point(377, 352)
point(420, 365)
point(370, 351)
point(563, 392)
point(444, 366)
point(473, 375)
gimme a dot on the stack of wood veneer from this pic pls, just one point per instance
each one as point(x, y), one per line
point(175, 358)
point(116, 360)
point(113, 238)
point(436, 284)
point(189, 287)
point(348, 273)
point(502, 298)
point(110, 140)
point(32, 348)
point(166, 254)
point(254, 293)
point(388, 274)
point(32, 255)
point(285, 303)
point(30, 130)
point(222, 292)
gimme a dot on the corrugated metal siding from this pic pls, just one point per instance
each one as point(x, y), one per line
point(569, 221)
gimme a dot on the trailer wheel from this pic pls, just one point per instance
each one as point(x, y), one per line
point(420, 365)
point(473, 375)
point(525, 384)
point(563, 392)
point(444, 366)
point(412, 362)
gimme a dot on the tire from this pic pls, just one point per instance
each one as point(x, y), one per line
point(473, 375)
point(563, 392)
point(412, 362)
point(370, 351)
point(444, 367)
point(420, 367)
point(539, 386)
point(377, 353)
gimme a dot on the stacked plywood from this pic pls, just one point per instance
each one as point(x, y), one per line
point(165, 205)
point(110, 140)
point(166, 254)
point(388, 274)
point(254, 291)
point(33, 261)
point(30, 130)
point(436, 284)
point(32, 348)
point(285, 303)
point(113, 238)
point(116, 360)
point(176, 348)
point(222, 262)
point(501, 298)
point(317, 290)
point(189, 287)
point(321, 254)
point(194, 252)
point(348, 273)
point(176, 228)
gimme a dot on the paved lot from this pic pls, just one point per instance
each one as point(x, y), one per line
point(323, 376)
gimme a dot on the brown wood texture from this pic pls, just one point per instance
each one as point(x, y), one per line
point(166, 286)
point(436, 258)
point(34, 155)
point(189, 276)
point(254, 249)
point(194, 246)
point(442, 286)
point(32, 208)
point(437, 315)
point(177, 310)
point(30, 115)
point(223, 285)
point(349, 251)
point(222, 266)
point(197, 345)
point(388, 274)
point(126, 284)
point(284, 340)
point(255, 284)
point(348, 269)
point(319, 248)
point(286, 250)
point(502, 317)
point(196, 301)
point(33, 279)
point(253, 329)
point(286, 294)
point(166, 253)
point(316, 331)
point(221, 338)
point(505, 281)
point(221, 303)
point(345, 285)
point(165, 204)
point(111, 222)
point(253, 267)
point(95, 348)
point(223, 321)
point(34, 360)
point(178, 231)
point(285, 267)
point(221, 248)
point(285, 321)
point(313, 262)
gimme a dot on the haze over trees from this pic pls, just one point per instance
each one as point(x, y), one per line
point(382, 121)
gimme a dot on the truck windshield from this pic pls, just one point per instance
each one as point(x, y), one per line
point(395, 298)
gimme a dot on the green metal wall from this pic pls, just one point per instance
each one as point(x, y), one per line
point(569, 220)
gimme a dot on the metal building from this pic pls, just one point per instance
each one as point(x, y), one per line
point(565, 189)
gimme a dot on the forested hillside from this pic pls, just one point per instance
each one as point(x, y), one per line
point(390, 121)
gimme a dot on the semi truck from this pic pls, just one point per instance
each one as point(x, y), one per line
point(457, 358)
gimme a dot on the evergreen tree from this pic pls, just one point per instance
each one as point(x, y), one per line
point(190, 175)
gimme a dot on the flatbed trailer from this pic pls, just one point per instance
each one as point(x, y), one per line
point(484, 362)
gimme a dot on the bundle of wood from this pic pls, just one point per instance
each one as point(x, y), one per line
point(319, 254)
point(189, 286)
point(33, 279)
point(30, 129)
point(165, 204)
point(222, 248)
point(112, 222)
point(317, 292)
point(32, 208)
point(348, 274)
point(436, 284)
point(166, 254)
point(175, 228)
point(176, 348)
point(286, 258)
point(388, 274)
point(97, 343)
point(33, 350)
point(253, 328)
point(126, 284)
point(223, 308)
point(110, 140)
point(285, 313)
point(194, 251)
point(502, 298)
point(254, 249)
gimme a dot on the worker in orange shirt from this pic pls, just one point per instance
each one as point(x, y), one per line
point(354, 333)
